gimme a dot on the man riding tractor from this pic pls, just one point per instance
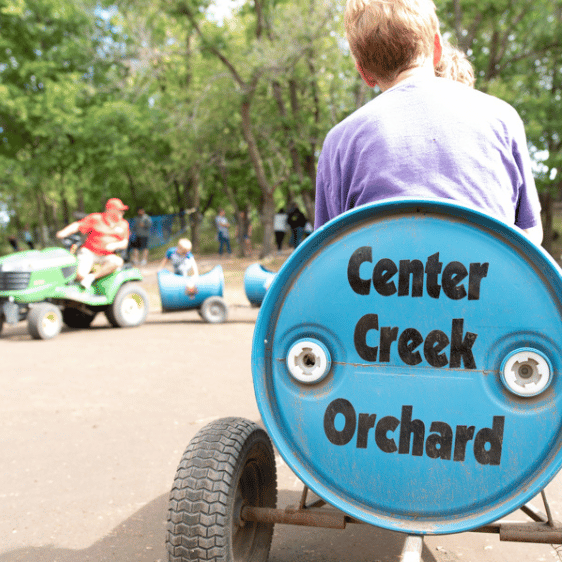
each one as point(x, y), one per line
point(107, 233)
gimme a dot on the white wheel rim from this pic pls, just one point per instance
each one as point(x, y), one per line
point(216, 311)
point(132, 308)
point(50, 323)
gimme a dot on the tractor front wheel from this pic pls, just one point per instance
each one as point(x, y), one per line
point(44, 321)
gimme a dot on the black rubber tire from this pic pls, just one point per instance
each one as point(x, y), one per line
point(228, 462)
point(110, 318)
point(44, 321)
point(214, 310)
point(129, 307)
point(78, 319)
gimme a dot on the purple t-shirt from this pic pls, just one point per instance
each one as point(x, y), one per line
point(430, 138)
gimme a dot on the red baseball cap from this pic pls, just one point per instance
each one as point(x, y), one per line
point(115, 203)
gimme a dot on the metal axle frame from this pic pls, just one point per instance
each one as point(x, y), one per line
point(542, 529)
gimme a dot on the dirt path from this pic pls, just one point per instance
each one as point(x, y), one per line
point(94, 423)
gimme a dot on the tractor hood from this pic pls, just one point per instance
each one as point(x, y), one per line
point(36, 260)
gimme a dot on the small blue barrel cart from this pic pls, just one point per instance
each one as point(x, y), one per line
point(406, 364)
point(208, 300)
point(257, 280)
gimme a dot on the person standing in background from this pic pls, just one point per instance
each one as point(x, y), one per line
point(223, 235)
point(280, 226)
point(141, 228)
point(28, 238)
point(297, 222)
point(13, 242)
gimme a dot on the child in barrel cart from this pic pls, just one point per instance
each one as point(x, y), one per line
point(184, 264)
point(424, 136)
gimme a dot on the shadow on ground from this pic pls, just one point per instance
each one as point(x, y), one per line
point(141, 539)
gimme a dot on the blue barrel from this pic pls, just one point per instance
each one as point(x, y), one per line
point(257, 280)
point(172, 289)
point(406, 364)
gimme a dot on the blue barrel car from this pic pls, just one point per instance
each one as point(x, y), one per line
point(257, 280)
point(406, 364)
point(208, 300)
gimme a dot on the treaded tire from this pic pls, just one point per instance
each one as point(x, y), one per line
point(44, 321)
point(75, 318)
point(230, 462)
point(214, 310)
point(110, 318)
point(129, 308)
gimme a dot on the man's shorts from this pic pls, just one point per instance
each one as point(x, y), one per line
point(87, 259)
point(141, 242)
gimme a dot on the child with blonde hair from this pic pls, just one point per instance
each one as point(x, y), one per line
point(183, 263)
point(423, 136)
point(454, 64)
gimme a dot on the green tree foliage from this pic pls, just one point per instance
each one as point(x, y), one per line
point(517, 52)
point(171, 108)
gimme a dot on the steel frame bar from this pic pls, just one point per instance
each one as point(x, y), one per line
point(542, 528)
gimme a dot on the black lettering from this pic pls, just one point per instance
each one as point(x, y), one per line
point(366, 323)
point(361, 255)
point(453, 274)
point(440, 443)
point(432, 270)
point(494, 437)
point(408, 341)
point(462, 436)
point(407, 428)
point(366, 422)
point(386, 424)
point(477, 272)
point(436, 342)
point(461, 348)
point(344, 407)
point(388, 335)
point(383, 272)
point(407, 268)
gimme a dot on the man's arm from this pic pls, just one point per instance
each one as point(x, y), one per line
point(120, 245)
point(535, 233)
point(68, 230)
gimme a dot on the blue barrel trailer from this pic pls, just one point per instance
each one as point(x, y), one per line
point(406, 363)
point(208, 300)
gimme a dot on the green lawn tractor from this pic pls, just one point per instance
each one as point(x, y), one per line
point(40, 286)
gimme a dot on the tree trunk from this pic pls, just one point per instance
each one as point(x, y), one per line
point(195, 217)
point(191, 203)
point(179, 203)
point(40, 220)
point(65, 210)
point(547, 203)
point(132, 187)
point(268, 206)
point(232, 200)
point(267, 214)
point(81, 205)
